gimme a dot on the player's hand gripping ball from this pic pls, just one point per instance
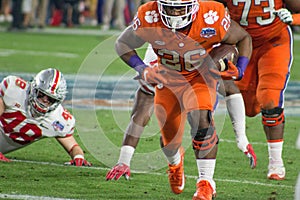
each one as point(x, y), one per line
point(224, 52)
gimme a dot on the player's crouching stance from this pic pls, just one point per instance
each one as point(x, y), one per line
point(30, 111)
point(175, 34)
point(143, 109)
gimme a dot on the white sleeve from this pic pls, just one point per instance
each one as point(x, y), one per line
point(11, 89)
point(63, 122)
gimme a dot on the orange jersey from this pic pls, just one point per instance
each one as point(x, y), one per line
point(267, 73)
point(257, 18)
point(182, 53)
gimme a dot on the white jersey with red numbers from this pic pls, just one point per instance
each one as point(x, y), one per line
point(17, 126)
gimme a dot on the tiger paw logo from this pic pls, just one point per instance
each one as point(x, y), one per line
point(151, 16)
point(211, 17)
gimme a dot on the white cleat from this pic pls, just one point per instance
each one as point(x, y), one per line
point(276, 173)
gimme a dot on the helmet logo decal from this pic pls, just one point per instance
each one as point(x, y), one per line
point(211, 17)
point(151, 16)
point(56, 80)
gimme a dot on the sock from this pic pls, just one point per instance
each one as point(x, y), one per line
point(126, 154)
point(236, 109)
point(275, 152)
point(175, 159)
point(206, 170)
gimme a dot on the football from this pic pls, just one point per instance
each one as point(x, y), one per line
point(221, 52)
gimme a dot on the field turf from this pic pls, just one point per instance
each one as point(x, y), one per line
point(37, 171)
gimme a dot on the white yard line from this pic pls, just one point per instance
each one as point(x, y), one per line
point(162, 174)
point(9, 52)
point(19, 196)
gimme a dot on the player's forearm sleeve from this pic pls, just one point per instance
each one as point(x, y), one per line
point(296, 19)
point(136, 63)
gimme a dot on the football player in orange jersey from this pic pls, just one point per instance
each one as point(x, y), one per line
point(268, 72)
point(182, 33)
point(30, 111)
point(291, 19)
point(143, 109)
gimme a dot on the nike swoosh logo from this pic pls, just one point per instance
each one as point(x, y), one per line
point(183, 182)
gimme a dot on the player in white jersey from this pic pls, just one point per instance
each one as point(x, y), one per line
point(143, 109)
point(30, 111)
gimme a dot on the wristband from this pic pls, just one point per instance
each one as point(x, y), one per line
point(296, 19)
point(136, 63)
point(70, 151)
point(242, 63)
point(126, 154)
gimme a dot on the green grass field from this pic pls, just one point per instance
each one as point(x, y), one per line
point(38, 171)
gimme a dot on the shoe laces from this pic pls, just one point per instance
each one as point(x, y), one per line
point(175, 174)
point(205, 188)
point(203, 184)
